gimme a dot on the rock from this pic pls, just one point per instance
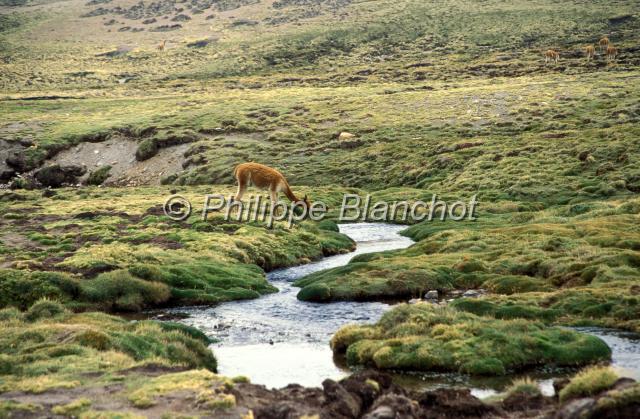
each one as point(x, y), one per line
point(398, 405)
point(622, 383)
point(431, 295)
point(414, 301)
point(575, 409)
point(17, 162)
point(454, 402)
point(382, 412)
point(339, 403)
point(471, 294)
point(367, 385)
point(48, 193)
point(343, 136)
point(6, 174)
point(55, 175)
point(559, 384)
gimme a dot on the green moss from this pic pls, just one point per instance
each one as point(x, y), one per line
point(23, 288)
point(427, 338)
point(120, 291)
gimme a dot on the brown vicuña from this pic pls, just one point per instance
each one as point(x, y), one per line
point(604, 43)
point(264, 177)
point(551, 55)
point(591, 52)
point(612, 52)
point(161, 45)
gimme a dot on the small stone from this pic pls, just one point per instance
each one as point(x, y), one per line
point(414, 301)
point(381, 412)
point(431, 295)
point(345, 136)
point(471, 294)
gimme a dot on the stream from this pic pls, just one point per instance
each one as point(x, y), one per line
point(277, 340)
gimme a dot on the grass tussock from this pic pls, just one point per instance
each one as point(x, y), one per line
point(589, 382)
point(426, 338)
point(42, 352)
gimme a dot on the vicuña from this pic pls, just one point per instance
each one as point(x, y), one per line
point(264, 177)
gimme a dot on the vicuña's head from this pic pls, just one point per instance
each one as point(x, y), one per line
point(306, 201)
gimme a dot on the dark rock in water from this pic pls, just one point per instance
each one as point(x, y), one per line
point(56, 175)
point(559, 384)
point(149, 21)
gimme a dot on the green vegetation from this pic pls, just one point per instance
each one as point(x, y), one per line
point(448, 97)
point(589, 382)
point(98, 176)
point(426, 338)
point(524, 386)
point(111, 251)
point(48, 347)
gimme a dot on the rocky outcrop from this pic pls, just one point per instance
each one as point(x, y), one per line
point(55, 175)
point(366, 394)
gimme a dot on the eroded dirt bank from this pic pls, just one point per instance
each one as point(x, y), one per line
point(151, 391)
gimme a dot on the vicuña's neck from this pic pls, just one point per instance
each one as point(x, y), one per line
point(289, 193)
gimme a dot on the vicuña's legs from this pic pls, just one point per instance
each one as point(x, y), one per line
point(241, 190)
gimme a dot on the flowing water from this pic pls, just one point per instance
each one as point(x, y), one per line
point(277, 340)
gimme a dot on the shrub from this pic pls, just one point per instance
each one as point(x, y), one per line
point(45, 309)
point(516, 284)
point(23, 288)
point(588, 382)
point(98, 177)
point(147, 149)
point(118, 290)
point(328, 225)
point(315, 292)
point(524, 386)
point(10, 313)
